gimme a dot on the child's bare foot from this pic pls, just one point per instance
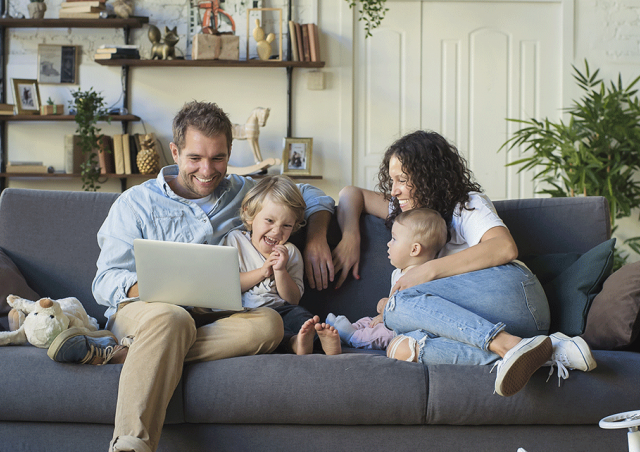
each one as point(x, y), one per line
point(329, 338)
point(302, 343)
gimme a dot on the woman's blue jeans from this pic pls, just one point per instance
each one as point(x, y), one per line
point(453, 319)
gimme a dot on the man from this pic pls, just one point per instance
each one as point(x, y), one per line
point(192, 201)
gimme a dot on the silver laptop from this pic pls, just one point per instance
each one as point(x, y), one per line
point(188, 274)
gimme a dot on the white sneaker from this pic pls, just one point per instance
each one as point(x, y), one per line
point(569, 353)
point(519, 363)
point(572, 352)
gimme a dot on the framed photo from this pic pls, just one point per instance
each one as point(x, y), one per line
point(296, 157)
point(251, 26)
point(58, 64)
point(26, 96)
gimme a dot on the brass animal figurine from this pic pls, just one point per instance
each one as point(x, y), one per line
point(163, 49)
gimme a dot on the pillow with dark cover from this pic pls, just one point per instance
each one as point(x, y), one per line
point(571, 281)
point(613, 322)
point(11, 282)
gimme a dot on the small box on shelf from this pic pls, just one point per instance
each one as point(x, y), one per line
point(56, 109)
point(215, 47)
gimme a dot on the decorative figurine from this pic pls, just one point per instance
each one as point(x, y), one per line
point(148, 159)
point(263, 45)
point(251, 130)
point(163, 50)
point(123, 8)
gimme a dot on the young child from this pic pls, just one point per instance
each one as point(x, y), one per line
point(417, 236)
point(271, 269)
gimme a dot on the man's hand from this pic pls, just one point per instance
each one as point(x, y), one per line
point(317, 264)
point(346, 257)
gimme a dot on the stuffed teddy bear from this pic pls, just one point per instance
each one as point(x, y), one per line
point(39, 322)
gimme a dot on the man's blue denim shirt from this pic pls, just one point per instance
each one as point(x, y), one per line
point(153, 211)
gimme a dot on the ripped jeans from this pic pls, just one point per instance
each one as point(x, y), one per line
point(454, 319)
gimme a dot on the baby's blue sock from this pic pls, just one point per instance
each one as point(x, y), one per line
point(343, 325)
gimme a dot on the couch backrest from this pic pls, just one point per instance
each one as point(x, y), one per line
point(51, 237)
point(539, 226)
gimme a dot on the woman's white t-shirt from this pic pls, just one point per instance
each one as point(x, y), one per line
point(468, 226)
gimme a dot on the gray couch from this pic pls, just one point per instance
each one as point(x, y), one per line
point(355, 401)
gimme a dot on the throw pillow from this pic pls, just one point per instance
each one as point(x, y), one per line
point(614, 319)
point(12, 282)
point(571, 293)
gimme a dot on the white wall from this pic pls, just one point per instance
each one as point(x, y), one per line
point(607, 33)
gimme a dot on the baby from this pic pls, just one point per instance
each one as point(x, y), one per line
point(417, 236)
point(271, 268)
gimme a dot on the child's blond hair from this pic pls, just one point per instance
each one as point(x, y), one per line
point(281, 190)
point(428, 227)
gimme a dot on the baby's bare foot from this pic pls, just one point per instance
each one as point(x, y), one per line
point(302, 343)
point(329, 338)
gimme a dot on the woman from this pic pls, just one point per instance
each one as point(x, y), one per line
point(457, 308)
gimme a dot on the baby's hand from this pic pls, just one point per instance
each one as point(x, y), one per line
point(374, 321)
point(280, 256)
point(381, 304)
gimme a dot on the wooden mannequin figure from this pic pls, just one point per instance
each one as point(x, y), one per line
point(263, 45)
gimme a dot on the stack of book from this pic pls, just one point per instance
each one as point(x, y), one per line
point(82, 9)
point(305, 43)
point(6, 109)
point(117, 52)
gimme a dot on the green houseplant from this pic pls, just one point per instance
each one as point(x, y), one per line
point(597, 152)
point(90, 108)
point(371, 12)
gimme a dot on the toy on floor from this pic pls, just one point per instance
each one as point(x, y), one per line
point(39, 322)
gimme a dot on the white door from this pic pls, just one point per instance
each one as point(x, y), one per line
point(480, 63)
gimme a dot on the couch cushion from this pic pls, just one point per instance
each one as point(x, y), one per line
point(12, 282)
point(346, 389)
point(614, 319)
point(571, 293)
point(36, 388)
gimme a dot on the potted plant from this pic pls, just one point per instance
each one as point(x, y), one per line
point(89, 108)
point(597, 152)
point(371, 12)
point(37, 9)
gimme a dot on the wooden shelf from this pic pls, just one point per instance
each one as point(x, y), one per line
point(133, 22)
point(114, 118)
point(209, 63)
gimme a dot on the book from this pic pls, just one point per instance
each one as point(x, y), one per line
point(105, 155)
point(6, 109)
point(65, 15)
point(118, 50)
point(25, 168)
point(294, 41)
point(312, 43)
point(115, 56)
point(82, 2)
point(134, 147)
point(126, 153)
point(305, 42)
point(73, 156)
point(83, 9)
point(315, 34)
point(118, 153)
point(299, 39)
point(122, 46)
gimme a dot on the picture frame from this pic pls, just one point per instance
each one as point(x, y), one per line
point(250, 28)
point(58, 64)
point(296, 156)
point(26, 96)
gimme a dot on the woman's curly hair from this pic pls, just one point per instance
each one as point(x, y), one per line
point(438, 174)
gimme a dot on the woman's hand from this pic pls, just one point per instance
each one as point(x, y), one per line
point(415, 276)
point(346, 257)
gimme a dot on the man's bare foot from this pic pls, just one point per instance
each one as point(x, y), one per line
point(302, 343)
point(329, 338)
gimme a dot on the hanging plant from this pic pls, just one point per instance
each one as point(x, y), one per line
point(371, 12)
point(90, 108)
point(597, 153)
